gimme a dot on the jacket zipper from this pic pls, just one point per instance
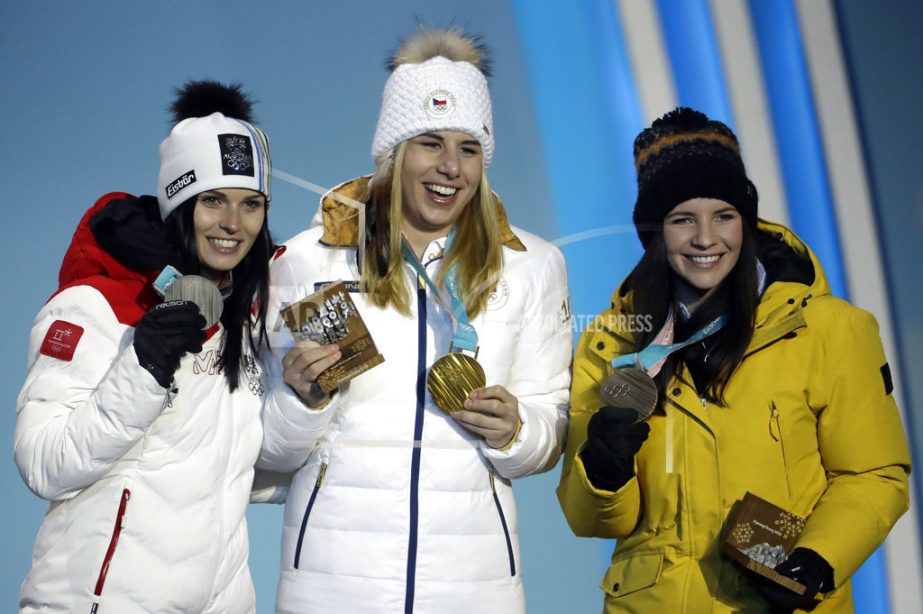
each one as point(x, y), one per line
point(776, 434)
point(307, 512)
point(506, 530)
point(110, 551)
point(417, 436)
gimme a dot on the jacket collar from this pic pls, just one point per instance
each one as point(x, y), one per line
point(780, 311)
point(341, 221)
point(127, 290)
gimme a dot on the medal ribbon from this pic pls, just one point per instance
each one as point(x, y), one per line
point(465, 337)
point(656, 354)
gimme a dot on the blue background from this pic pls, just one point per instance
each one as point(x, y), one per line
point(84, 91)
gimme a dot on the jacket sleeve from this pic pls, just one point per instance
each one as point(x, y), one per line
point(76, 418)
point(290, 428)
point(540, 375)
point(592, 512)
point(862, 446)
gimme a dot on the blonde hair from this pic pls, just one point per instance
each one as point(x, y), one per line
point(477, 250)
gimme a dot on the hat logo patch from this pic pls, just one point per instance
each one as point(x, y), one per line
point(236, 154)
point(439, 103)
point(186, 179)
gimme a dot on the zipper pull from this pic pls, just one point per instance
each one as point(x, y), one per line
point(168, 398)
point(774, 421)
point(126, 496)
point(704, 403)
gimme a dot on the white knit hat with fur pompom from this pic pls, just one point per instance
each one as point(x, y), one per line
point(437, 83)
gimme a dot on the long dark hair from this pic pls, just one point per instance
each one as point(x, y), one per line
point(653, 286)
point(251, 287)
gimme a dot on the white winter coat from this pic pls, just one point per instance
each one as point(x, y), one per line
point(395, 507)
point(148, 494)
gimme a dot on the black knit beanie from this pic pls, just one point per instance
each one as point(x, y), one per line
point(685, 155)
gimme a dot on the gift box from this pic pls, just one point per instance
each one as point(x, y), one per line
point(760, 535)
point(330, 316)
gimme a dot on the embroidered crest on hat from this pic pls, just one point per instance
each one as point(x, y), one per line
point(236, 154)
point(61, 340)
point(440, 103)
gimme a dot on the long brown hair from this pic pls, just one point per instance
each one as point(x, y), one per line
point(653, 286)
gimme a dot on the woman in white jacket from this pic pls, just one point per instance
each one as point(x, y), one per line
point(397, 505)
point(137, 424)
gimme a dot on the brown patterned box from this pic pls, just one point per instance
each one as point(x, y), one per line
point(761, 535)
point(330, 316)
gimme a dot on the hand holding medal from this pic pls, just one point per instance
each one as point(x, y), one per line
point(452, 379)
point(457, 381)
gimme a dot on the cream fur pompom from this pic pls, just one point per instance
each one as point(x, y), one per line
point(450, 43)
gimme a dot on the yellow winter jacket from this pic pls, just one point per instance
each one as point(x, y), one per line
point(810, 425)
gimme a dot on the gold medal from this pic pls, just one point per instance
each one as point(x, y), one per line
point(452, 378)
point(629, 388)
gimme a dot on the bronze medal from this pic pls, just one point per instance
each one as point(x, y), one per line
point(629, 388)
point(452, 378)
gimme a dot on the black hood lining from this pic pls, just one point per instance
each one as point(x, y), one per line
point(131, 231)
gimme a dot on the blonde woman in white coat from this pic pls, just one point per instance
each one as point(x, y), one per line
point(396, 505)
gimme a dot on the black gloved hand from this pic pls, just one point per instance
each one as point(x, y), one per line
point(613, 439)
point(804, 566)
point(164, 334)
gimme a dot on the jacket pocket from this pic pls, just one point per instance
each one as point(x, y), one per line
point(307, 512)
point(110, 551)
point(631, 574)
point(506, 530)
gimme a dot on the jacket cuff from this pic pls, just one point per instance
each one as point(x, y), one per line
point(600, 493)
point(512, 440)
point(512, 447)
point(298, 411)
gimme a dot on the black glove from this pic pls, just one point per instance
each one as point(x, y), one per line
point(164, 334)
point(613, 439)
point(804, 566)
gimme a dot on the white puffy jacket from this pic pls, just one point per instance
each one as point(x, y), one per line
point(148, 494)
point(394, 507)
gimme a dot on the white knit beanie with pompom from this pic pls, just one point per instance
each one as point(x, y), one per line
point(437, 84)
point(213, 145)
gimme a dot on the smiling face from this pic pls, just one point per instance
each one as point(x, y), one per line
point(703, 237)
point(441, 173)
point(227, 223)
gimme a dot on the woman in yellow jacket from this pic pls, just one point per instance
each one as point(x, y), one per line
point(784, 391)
